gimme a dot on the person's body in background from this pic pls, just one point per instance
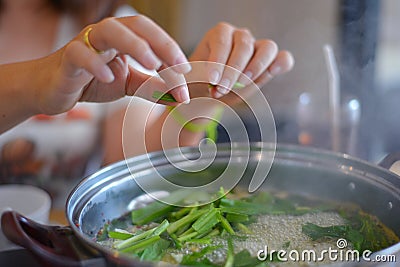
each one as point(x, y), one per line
point(48, 150)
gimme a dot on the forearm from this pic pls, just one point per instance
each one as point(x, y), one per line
point(18, 93)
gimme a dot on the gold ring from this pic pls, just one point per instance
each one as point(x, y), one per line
point(87, 42)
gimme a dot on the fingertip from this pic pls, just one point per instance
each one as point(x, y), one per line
point(150, 61)
point(108, 55)
point(106, 75)
point(214, 76)
point(217, 94)
point(224, 86)
point(185, 97)
point(286, 60)
point(181, 94)
point(275, 70)
point(182, 65)
point(245, 78)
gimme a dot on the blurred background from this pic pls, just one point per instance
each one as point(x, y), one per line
point(365, 40)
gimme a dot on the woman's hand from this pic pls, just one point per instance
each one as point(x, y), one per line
point(259, 60)
point(79, 72)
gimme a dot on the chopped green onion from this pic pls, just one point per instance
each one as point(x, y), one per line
point(163, 96)
point(230, 254)
point(186, 237)
point(236, 85)
point(141, 245)
point(191, 217)
point(243, 228)
point(161, 228)
point(203, 224)
point(129, 242)
point(119, 235)
point(225, 224)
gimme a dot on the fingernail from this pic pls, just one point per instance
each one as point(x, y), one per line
point(150, 61)
point(246, 78)
point(225, 83)
point(106, 74)
point(249, 74)
point(218, 94)
point(214, 77)
point(224, 86)
point(184, 94)
point(109, 53)
point(222, 90)
point(275, 70)
point(183, 65)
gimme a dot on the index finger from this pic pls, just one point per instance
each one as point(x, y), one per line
point(136, 36)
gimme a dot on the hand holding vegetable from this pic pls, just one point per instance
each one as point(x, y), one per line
point(98, 77)
point(92, 67)
point(260, 60)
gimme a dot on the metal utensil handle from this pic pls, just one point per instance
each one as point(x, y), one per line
point(51, 245)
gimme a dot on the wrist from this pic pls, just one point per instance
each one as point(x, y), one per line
point(18, 94)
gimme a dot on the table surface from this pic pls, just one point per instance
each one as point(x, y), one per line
point(57, 216)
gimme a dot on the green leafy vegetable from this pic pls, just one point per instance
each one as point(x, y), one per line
point(163, 96)
point(206, 222)
point(133, 240)
point(364, 232)
point(160, 227)
point(241, 207)
point(140, 240)
point(244, 259)
point(141, 245)
point(188, 219)
point(316, 232)
point(352, 235)
point(230, 254)
point(150, 213)
point(198, 259)
point(119, 235)
point(156, 251)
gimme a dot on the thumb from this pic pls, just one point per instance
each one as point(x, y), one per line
point(153, 88)
point(142, 85)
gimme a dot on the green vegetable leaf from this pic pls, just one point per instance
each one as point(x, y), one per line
point(152, 212)
point(316, 232)
point(244, 259)
point(198, 259)
point(241, 207)
point(156, 251)
point(352, 235)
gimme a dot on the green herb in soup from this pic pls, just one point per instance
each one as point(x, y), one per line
point(231, 230)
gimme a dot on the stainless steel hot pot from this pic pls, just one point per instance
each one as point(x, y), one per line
point(106, 194)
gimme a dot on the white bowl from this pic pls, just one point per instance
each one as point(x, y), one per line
point(30, 201)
